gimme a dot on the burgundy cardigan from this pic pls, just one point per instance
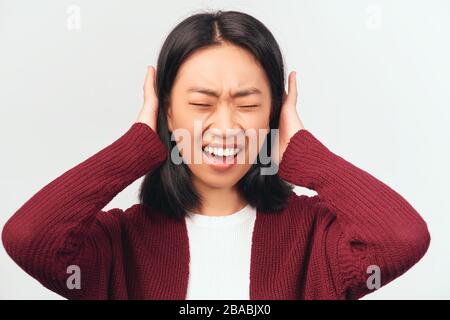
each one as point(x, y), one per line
point(319, 247)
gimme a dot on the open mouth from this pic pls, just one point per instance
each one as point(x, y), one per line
point(220, 155)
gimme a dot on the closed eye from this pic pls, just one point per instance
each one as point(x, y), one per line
point(200, 104)
point(208, 105)
point(250, 106)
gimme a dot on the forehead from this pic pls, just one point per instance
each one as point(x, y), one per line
point(222, 67)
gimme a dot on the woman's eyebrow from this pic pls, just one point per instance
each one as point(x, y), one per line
point(239, 93)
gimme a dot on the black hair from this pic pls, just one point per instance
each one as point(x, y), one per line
point(169, 188)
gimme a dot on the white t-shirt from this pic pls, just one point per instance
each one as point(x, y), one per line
point(220, 250)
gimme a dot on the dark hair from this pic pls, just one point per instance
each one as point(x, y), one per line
point(168, 188)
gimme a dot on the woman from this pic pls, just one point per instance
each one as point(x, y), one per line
point(218, 228)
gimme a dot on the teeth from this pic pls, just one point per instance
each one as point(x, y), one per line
point(221, 151)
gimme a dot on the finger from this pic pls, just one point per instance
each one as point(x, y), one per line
point(292, 89)
point(149, 85)
point(284, 96)
point(154, 80)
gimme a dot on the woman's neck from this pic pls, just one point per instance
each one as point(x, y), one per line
point(219, 201)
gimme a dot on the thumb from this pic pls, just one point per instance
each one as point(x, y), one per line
point(150, 96)
point(149, 110)
point(291, 96)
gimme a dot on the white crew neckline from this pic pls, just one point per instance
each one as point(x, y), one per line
point(232, 219)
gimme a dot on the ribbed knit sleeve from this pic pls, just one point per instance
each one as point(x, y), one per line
point(374, 227)
point(58, 226)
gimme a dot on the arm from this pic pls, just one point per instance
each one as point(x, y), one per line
point(373, 224)
point(61, 225)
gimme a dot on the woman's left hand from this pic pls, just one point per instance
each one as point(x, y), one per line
point(290, 121)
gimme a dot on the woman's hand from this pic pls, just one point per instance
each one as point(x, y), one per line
point(290, 121)
point(149, 110)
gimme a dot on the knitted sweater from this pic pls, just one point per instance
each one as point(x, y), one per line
point(319, 247)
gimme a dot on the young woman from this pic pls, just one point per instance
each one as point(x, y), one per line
point(218, 228)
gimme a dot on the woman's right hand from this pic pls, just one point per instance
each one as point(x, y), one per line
point(149, 110)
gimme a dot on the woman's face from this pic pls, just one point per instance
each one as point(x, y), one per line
point(219, 113)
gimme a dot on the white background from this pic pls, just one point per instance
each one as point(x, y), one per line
point(374, 80)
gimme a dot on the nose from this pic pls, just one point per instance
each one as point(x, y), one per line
point(224, 125)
